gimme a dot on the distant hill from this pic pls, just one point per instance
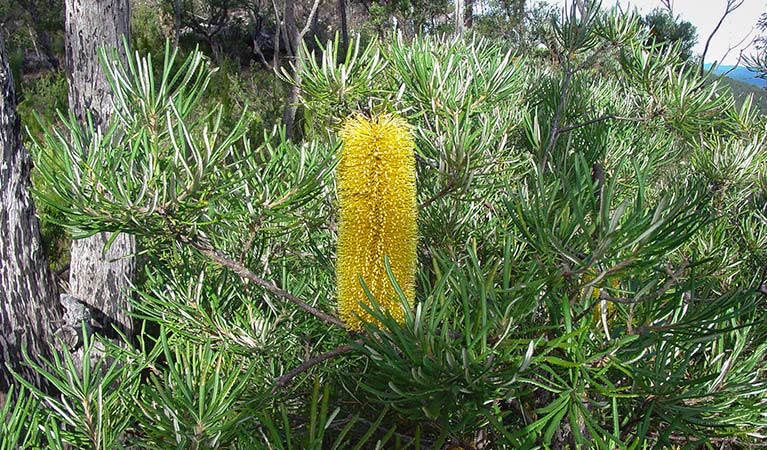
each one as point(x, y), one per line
point(743, 83)
point(740, 90)
point(741, 74)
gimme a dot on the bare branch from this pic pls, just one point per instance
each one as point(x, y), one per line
point(276, 39)
point(256, 47)
point(218, 256)
point(452, 184)
point(738, 44)
point(309, 21)
point(238, 268)
point(722, 442)
point(261, 57)
point(284, 380)
point(555, 130)
point(732, 5)
point(449, 187)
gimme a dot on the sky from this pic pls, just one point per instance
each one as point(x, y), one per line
point(705, 14)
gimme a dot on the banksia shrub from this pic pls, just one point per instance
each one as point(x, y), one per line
point(377, 197)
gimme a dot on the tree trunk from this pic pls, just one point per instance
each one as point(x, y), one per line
point(293, 47)
point(459, 16)
point(98, 276)
point(29, 310)
point(468, 18)
point(176, 23)
point(344, 26)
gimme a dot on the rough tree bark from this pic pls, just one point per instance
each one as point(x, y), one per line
point(344, 26)
point(460, 12)
point(99, 277)
point(293, 46)
point(176, 23)
point(468, 16)
point(29, 310)
point(293, 43)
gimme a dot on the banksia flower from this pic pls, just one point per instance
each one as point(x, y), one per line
point(595, 296)
point(377, 197)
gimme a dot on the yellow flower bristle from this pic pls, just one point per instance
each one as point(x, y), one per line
point(377, 198)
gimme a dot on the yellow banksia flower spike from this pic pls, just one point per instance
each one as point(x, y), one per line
point(377, 202)
point(595, 296)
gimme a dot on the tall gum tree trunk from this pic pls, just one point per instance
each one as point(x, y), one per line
point(344, 26)
point(97, 276)
point(29, 310)
point(468, 15)
point(293, 45)
point(460, 13)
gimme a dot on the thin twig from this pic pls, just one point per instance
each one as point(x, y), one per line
point(740, 53)
point(309, 20)
point(714, 440)
point(452, 184)
point(555, 130)
point(446, 190)
point(737, 64)
point(257, 46)
point(284, 380)
point(276, 38)
point(251, 239)
point(732, 5)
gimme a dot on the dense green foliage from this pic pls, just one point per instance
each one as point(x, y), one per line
point(742, 91)
point(593, 244)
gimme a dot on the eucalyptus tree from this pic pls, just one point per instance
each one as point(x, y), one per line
point(667, 30)
point(29, 310)
point(102, 265)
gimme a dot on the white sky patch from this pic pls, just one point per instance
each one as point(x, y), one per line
point(705, 14)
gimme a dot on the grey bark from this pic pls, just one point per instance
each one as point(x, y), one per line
point(176, 23)
point(459, 16)
point(468, 17)
point(292, 44)
point(29, 311)
point(76, 323)
point(98, 276)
